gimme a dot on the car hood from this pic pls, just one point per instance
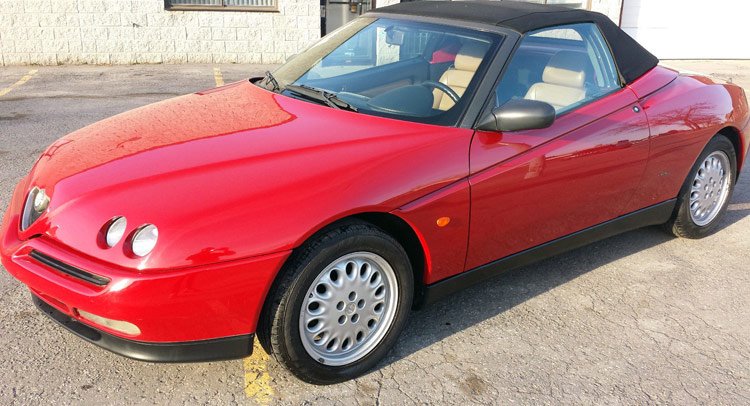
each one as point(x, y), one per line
point(234, 172)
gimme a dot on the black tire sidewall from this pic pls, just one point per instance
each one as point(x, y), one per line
point(683, 225)
point(294, 354)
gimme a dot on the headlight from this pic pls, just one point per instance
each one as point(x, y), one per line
point(116, 230)
point(41, 201)
point(144, 239)
point(36, 204)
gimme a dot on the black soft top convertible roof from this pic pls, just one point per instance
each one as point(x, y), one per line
point(631, 58)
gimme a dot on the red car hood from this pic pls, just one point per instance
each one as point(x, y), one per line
point(234, 172)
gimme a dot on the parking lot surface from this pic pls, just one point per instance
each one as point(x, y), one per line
point(640, 318)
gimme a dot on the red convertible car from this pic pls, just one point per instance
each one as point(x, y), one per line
point(417, 150)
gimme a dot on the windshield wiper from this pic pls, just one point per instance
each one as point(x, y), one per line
point(272, 80)
point(320, 95)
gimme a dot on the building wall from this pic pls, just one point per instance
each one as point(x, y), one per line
point(689, 29)
point(385, 3)
point(610, 8)
point(53, 32)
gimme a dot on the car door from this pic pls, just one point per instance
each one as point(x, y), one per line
point(531, 187)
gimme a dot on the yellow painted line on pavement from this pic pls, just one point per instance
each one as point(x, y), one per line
point(19, 83)
point(218, 77)
point(257, 380)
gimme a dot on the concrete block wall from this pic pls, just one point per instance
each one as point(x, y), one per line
point(54, 32)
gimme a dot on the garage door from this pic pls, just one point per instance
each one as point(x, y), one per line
point(690, 29)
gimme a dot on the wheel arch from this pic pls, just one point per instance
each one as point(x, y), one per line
point(407, 236)
point(391, 224)
point(734, 136)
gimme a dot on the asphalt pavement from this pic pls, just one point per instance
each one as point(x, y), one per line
point(640, 318)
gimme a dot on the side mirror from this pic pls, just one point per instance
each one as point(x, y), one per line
point(518, 115)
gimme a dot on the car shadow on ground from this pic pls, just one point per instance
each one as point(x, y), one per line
point(508, 290)
point(495, 296)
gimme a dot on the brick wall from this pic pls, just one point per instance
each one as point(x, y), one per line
point(51, 32)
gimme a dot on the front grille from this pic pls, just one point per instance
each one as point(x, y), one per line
point(68, 269)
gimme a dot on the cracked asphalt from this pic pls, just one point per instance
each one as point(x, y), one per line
point(640, 318)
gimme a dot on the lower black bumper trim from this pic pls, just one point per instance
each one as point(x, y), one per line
point(187, 351)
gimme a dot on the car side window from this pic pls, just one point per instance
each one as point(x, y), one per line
point(566, 66)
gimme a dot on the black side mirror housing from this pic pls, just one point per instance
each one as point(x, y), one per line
point(518, 115)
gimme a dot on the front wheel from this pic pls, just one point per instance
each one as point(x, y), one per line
point(340, 304)
point(705, 195)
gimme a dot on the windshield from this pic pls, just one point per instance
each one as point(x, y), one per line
point(402, 69)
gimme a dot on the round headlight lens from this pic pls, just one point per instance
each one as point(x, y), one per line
point(116, 230)
point(144, 239)
point(36, 204)
point(41, 201)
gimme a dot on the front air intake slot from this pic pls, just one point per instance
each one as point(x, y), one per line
point(68, 269)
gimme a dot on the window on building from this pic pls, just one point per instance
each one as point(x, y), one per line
point(228, 5)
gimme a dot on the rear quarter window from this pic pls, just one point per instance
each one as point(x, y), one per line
point(566, 66)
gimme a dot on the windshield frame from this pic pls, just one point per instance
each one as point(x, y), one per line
point(464, 115)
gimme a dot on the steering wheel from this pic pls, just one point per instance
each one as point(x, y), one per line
point(443, 88)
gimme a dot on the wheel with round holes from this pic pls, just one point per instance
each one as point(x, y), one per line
point(705, 195)
point(339, 305)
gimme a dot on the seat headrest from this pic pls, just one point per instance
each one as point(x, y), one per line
point(566, 68)
point(470, 56)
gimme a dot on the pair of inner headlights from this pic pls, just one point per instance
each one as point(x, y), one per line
point(143, 239)
point(141, 243)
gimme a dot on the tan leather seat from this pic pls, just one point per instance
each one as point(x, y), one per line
point(459, 76)
point(562, 81)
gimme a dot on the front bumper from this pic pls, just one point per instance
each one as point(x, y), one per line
point(196, 309)
point(187, 351)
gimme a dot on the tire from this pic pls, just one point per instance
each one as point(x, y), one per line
point(341, 278)
point(707, 195)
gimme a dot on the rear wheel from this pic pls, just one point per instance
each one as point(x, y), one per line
point(340, 304)
point(705, 195)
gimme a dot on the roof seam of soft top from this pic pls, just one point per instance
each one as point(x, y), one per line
point(502, 22)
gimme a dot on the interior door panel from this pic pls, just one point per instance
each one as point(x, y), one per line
point(532, 187)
